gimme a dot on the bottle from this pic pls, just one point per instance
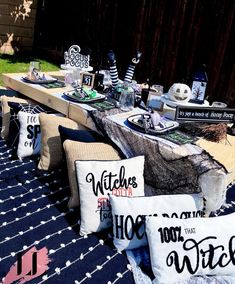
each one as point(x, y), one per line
point(199, 82)
point(127, 98)
point(155, 117)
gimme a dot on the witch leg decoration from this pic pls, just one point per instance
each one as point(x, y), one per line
point(131, 68)
point(113, 68)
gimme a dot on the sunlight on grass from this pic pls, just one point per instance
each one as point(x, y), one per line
point(12, 64)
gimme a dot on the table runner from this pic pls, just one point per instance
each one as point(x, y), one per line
point(183, 169)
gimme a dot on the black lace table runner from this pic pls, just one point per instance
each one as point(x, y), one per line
point(164, 170)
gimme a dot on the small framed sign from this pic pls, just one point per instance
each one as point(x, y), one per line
point(154, 102)
point(198, 92)
point(205, 114)
point(87, 79)
point(151, 99)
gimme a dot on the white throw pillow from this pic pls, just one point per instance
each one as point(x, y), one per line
point(30, 134)
point(180, 249)
point(97, 180)
point(129, 214)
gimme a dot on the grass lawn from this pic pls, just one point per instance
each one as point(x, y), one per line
point(15, 64)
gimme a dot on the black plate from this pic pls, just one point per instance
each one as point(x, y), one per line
point(75, 98)
point(144, 123)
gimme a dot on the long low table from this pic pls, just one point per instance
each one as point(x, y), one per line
point(52, 98)
point(213, 181)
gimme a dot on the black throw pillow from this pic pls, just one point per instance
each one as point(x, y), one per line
point(79, 135)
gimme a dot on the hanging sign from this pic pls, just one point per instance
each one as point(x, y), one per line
point(205, 114)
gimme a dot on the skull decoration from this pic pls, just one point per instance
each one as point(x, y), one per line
point(179, 92)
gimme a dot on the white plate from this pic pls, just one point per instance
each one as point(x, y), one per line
point(164, 126)
point(165, 99)
point(47, 80)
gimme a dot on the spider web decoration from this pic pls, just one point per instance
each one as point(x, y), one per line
point(13, 138)
point(74, 58)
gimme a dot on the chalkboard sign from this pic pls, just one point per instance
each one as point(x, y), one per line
point(205, 114)
point(88, 79)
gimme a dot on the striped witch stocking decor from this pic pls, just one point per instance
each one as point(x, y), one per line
point(131, 68)
point(113, 68)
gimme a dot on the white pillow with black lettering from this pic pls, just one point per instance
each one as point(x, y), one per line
point(180, 249)
point(97, 180)
point(30, 134)
point(129, 214)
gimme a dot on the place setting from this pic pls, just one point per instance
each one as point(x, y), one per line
point(36, 76)
point(84, 95)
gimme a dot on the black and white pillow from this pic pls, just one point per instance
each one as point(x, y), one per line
point(14, 128)
point(180, 249)
point(30, 134)
point(129, 215)
point(98, 180)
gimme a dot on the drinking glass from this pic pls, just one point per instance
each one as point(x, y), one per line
point(34, 66)
point(158, 89)
point(69, 78)
point(76, 77)
point(127, 98)
point(107, 79)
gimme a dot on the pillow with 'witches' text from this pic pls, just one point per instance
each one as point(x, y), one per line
point(129, 215)
point(75, 150)
point(180, 249)
point(97, 180)
point(30, 135)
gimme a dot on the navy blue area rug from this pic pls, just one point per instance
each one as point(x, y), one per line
point(33, 212)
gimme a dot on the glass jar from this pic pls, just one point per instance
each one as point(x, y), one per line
point(127, 98)
point(34, 66)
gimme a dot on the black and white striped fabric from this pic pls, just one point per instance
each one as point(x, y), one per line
point(131, 68)
point(129, 73)
point(33, 212)
point(114, 75)
point(113, 68)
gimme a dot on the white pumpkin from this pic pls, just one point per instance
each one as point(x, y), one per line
point(179, 92)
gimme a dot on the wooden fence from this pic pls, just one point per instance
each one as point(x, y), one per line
point(17, 19)
point(174, 36)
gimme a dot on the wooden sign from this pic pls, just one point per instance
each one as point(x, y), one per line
point(205, 114)
point(87, 79)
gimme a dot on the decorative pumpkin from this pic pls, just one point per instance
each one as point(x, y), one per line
point(179, 92)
